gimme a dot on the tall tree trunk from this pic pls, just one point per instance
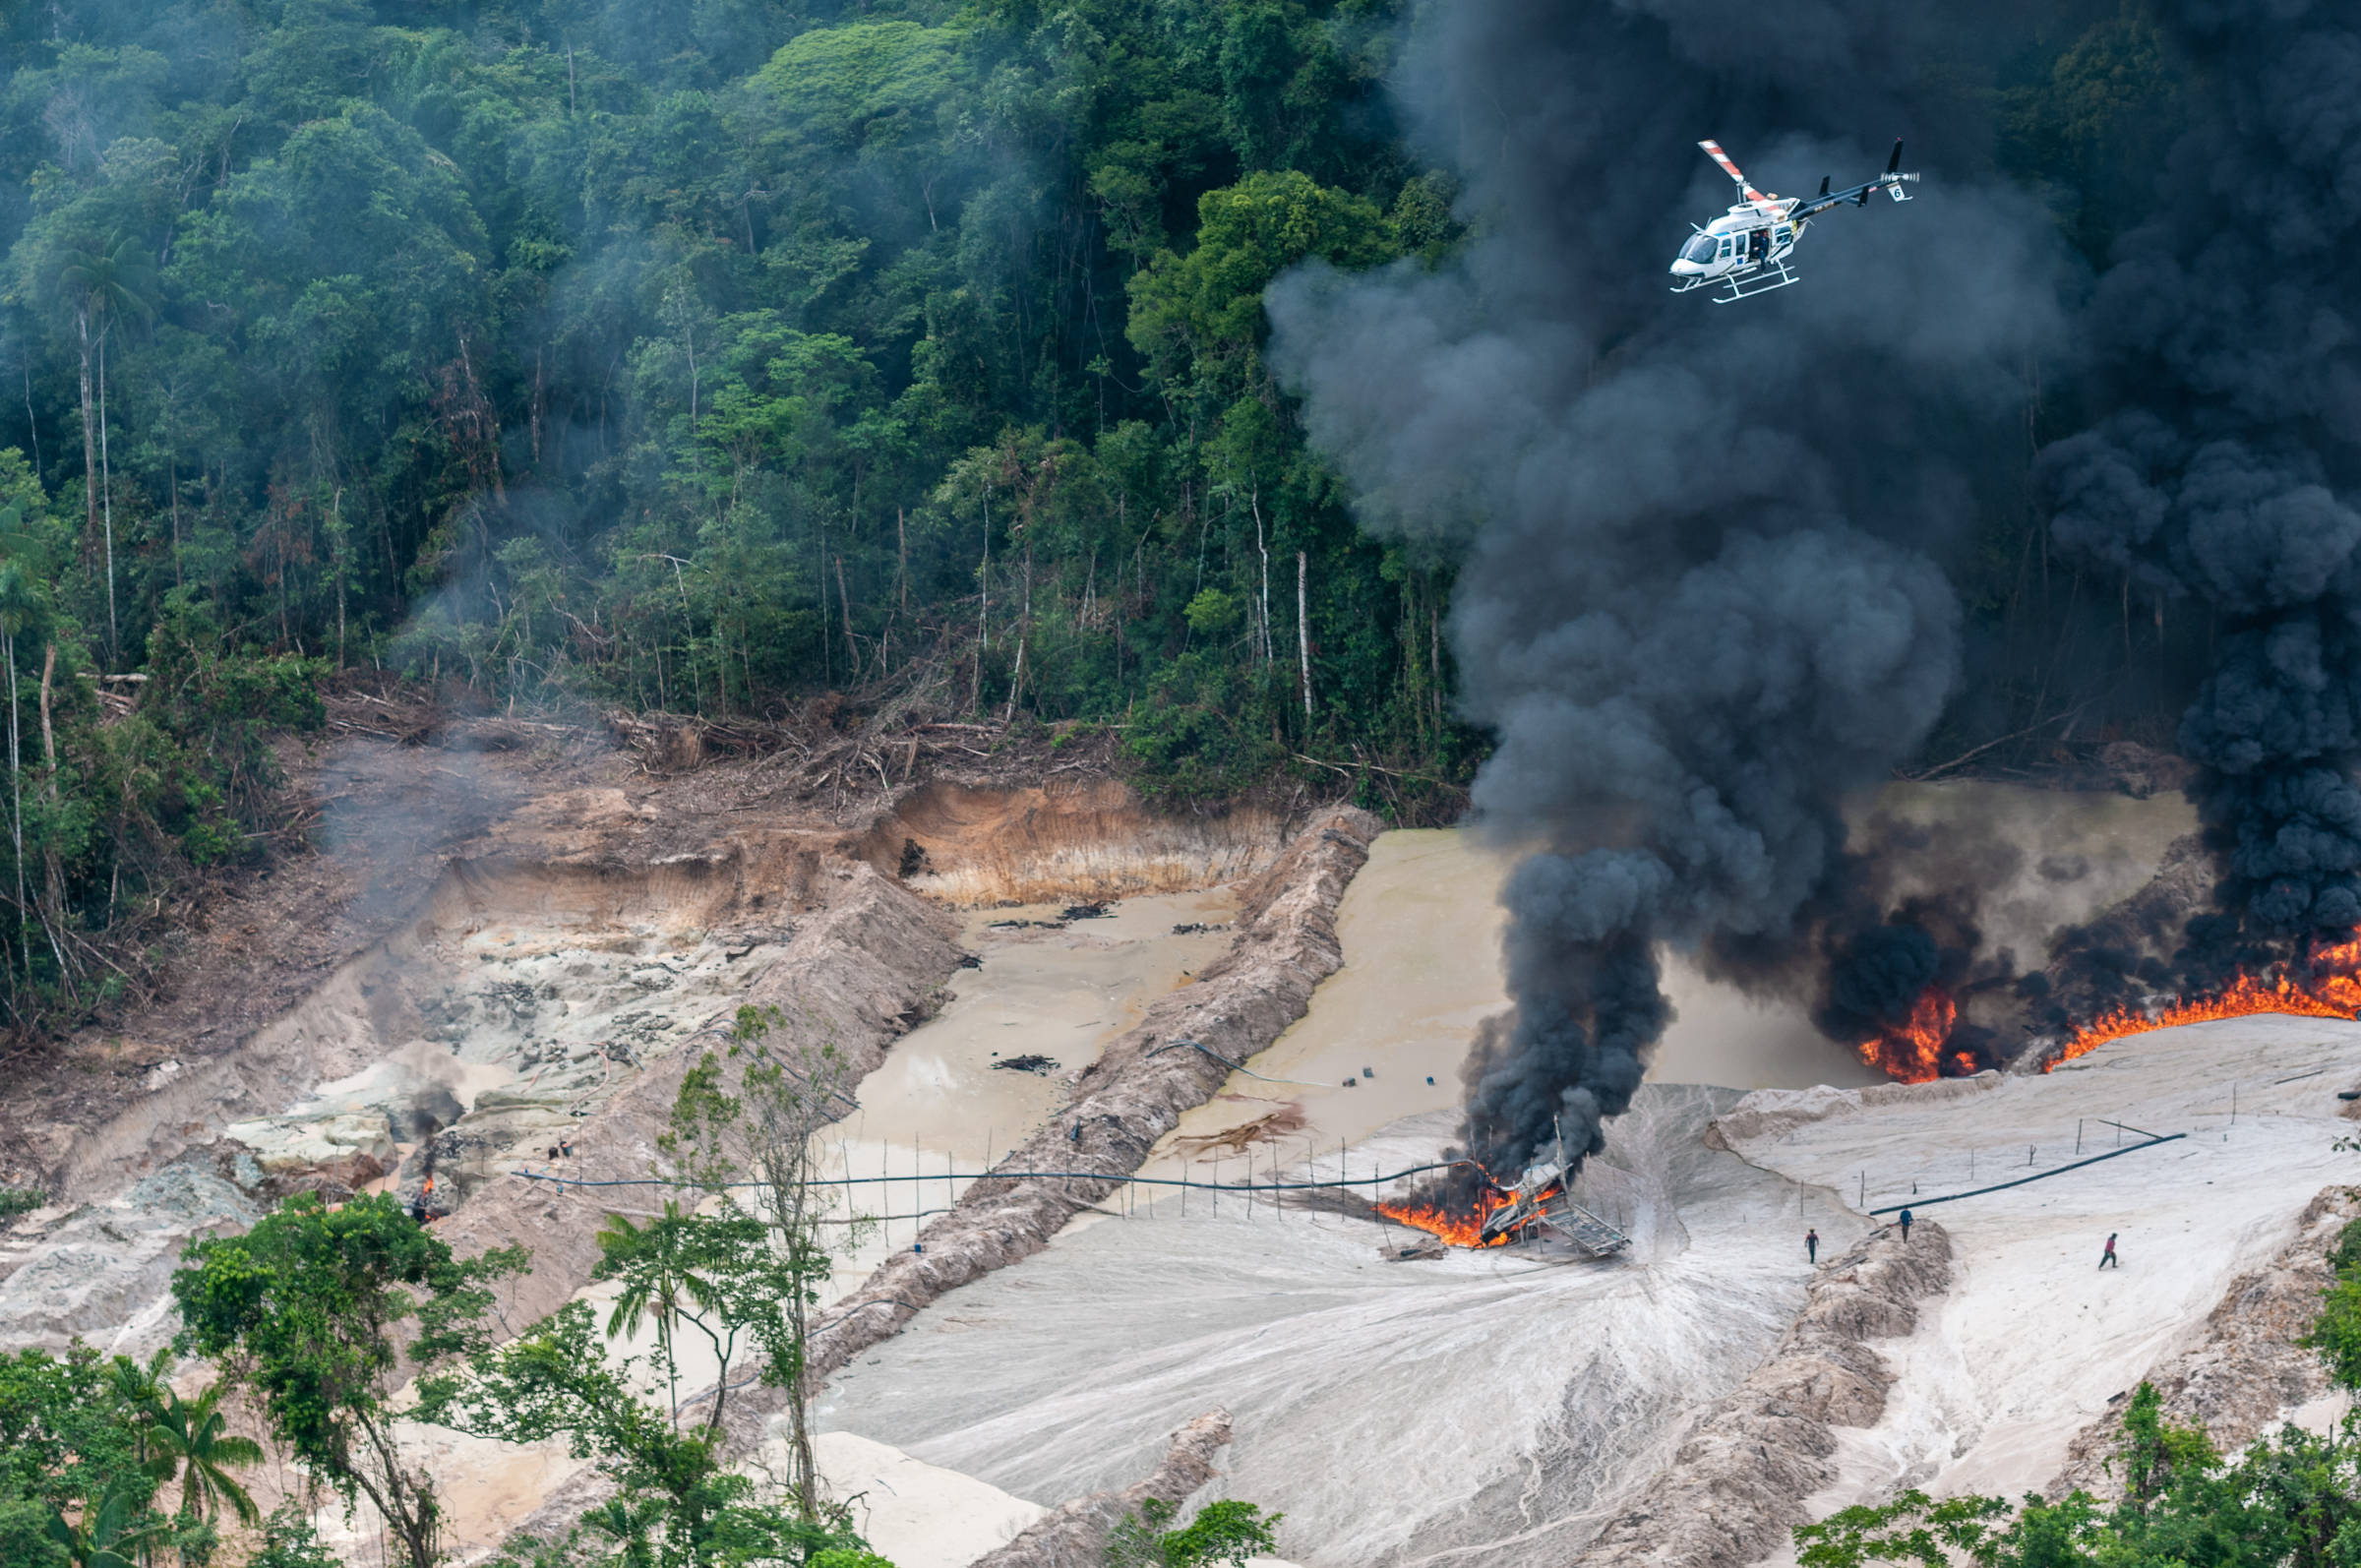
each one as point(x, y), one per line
point(48, 736)
point(1304, 632)
point(335, 534)
point(106, 492)
point(89, 433)
point(1255, 501)
point(975, 698)
point(852, 651)
point(16, 780)
point(172, 465)
point(31, 426)
point(1024, 631)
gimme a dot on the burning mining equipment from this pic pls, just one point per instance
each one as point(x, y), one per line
point(1540, 1200)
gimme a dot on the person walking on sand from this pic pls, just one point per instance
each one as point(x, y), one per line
point(2107, 1259)
point(1811, 1246)
point(1905, 1225)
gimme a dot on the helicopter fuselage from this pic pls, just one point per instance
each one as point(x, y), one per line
point(1750, 237)
point(1745, 250)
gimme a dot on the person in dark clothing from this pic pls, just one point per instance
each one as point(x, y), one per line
point(1811, 1246)
point(2107, 1259)
point(1905, 1225)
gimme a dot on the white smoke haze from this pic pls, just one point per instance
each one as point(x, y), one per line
point(1701, 601)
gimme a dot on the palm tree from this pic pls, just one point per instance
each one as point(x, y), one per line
point(659, 1281)
point(193, 1442)
point(102, 286)
point(108, 1532)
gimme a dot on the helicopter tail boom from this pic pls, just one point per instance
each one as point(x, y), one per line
point(1891, 182)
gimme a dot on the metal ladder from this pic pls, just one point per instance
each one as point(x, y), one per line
point(1584, 1229)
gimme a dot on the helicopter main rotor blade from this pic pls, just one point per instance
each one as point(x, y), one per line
point(1713, 150)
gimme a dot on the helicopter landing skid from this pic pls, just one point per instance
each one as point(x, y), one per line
point(1732, 289)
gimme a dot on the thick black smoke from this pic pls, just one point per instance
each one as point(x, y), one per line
point(2228, 344)
point(1700, 605)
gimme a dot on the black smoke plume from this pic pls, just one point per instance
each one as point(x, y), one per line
point(1700, 605)
point(2226, 342)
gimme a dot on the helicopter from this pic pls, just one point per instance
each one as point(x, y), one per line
point(1746, 253)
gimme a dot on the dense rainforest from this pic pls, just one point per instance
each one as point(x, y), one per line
point(707, 355)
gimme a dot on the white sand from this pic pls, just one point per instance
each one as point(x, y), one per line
point(915, 1514)
point(2033, 1340)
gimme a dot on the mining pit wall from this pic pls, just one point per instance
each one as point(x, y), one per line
point(1078, 839)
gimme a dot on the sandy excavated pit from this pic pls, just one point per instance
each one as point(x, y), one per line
point(490, 1028)
point(1301, 1330)
point(934, 1104)
point(525, 1031)
point(1054, 1398)
point(1539, 1395)
point(1369, 1398)
point(2033, 1340)
point(1420, 927)
point(511, 1009)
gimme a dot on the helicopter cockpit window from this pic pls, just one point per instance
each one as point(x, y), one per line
point(1699, 249)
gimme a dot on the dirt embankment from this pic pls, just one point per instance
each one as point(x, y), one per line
point(1077, 838)
point(2243, 1370)
point(1738, 1481)
point(1074, 1536)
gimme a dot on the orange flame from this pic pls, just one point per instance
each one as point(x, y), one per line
point(1912, 1051)
point(1457, 1228)
point(2331, 990)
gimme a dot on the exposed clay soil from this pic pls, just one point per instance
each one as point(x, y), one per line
point(382, 816)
